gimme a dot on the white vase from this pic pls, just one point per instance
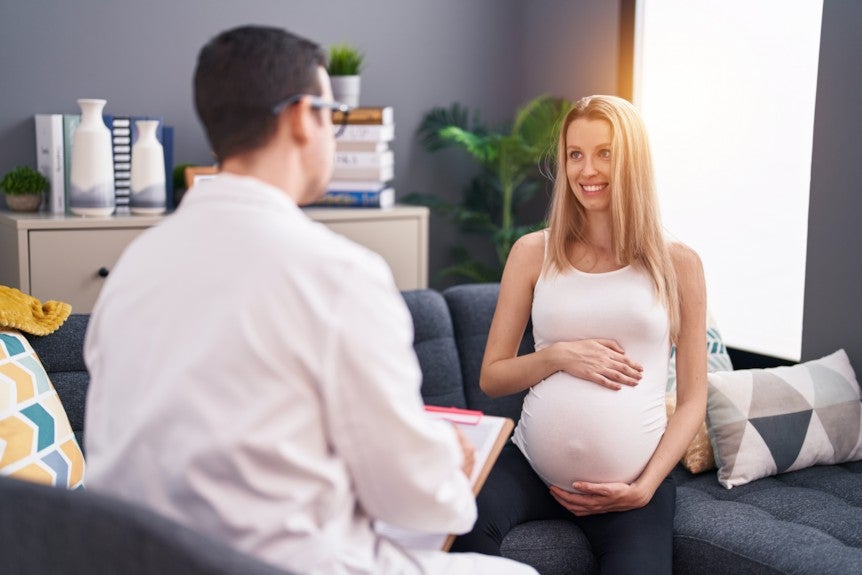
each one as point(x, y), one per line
point(148, 195)
point(345, 89)
point(92, 177)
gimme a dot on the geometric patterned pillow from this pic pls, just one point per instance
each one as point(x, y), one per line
point(767, 421)
point(36, 441)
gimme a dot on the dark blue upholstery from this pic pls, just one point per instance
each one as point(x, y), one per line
point(806, 521)
point(472, 308)
point(803, 522)
point(434, 343)
point(46, 530)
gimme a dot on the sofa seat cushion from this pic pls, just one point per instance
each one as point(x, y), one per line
point(552, 547)
point(806, 521)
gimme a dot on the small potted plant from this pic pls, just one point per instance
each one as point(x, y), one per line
point(345, 65)
point(23, 187)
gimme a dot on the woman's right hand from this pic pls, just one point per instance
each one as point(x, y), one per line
point(602, 361)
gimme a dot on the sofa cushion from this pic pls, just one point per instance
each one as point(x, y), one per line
point(434, 343)
point(806, 521)
point(767, 421)
point(46, 530)
point(472, 307)
point(36, 440)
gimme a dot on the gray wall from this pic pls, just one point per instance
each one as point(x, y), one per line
point(833, 279)
point(486, 54)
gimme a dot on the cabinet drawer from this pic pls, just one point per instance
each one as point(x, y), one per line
point(65, 264)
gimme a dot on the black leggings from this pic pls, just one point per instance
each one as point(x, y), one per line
point(636, 541)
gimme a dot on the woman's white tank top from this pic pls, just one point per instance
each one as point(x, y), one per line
point(572, 429)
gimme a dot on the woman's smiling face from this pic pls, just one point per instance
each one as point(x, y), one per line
point(588, 162)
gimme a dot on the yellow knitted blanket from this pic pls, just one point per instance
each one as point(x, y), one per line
point(26, 313)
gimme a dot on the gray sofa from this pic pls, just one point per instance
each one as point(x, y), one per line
point(807, 521)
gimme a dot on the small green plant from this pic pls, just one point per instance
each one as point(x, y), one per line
point(345, 60)
point(23, 180)
point(511, 157)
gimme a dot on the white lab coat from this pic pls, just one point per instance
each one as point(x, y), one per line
point(252, 376)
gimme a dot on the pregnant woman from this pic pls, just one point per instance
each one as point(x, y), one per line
point(608, 296)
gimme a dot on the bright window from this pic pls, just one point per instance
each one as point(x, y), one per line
point(727, 91)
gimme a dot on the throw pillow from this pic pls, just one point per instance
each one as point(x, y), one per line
point(767, 421)
point(36, 441)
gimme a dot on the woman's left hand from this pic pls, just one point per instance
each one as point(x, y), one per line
point(593, 498)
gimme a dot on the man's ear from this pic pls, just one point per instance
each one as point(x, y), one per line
point(298, 120)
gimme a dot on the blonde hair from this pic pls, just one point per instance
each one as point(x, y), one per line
point(636, 233)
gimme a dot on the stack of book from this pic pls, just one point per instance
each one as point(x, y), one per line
point(364, 162)
point(54, 156)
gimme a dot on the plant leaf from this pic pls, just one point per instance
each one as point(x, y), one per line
point(484, 148)
point(439, 118)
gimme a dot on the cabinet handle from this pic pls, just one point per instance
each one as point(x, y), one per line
point(103, 272)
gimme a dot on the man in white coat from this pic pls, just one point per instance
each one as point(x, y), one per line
point(252, 373)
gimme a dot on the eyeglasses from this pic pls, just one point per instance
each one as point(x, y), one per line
point(317, 103)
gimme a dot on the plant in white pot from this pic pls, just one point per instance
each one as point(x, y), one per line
point(24, 187)
point(345, 65)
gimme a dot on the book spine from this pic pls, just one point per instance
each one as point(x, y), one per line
point(121, 142)
point(342, 146)
point(366, 116)
point(372, 173)
point(168, 147)
point(50, 159)
point(360, 133)
point(358, 199)
point(364, 159)
point(70, 123)
point(344, 185)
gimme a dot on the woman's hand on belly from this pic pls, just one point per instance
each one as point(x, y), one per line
point(602, 361)
point(594, 498)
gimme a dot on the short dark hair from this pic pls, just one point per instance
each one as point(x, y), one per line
point(241, 74)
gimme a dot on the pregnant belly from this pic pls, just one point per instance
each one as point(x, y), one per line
point(575, 430)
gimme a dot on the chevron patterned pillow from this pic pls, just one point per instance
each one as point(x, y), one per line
point(767, 421)
point(36, 441)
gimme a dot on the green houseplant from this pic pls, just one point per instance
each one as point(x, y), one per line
point(24, 187)
point(511, 157)
point(345, 67)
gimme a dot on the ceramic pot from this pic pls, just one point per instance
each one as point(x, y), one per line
point(92, 177)
point(345, 89)
point(23, 203)
point(148, 195)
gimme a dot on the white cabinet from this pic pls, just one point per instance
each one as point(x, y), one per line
point(66, 258)
point(399, 234)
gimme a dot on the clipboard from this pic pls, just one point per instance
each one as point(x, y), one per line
point(495, 431)
point(488, 434)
